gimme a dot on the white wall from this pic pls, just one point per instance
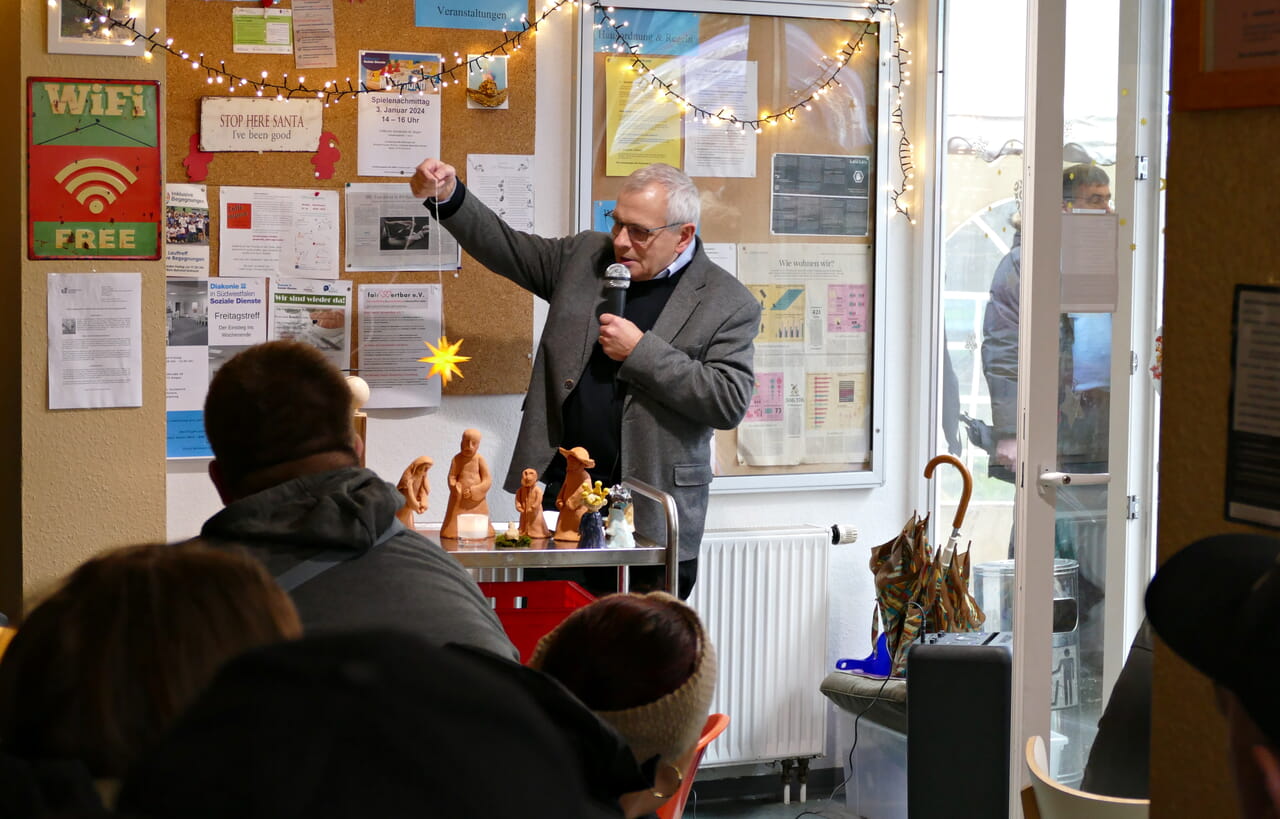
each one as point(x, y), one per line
point(396, 437)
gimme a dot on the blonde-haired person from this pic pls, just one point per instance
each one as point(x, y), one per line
point(643, 664)
point(101, 667)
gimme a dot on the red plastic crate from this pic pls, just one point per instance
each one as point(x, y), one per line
point(530, 609)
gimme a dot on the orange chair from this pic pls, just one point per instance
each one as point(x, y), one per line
point(712, 728)
point(6, 634)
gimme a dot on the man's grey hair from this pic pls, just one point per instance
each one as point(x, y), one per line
point(683, 202)
point(1082, 175)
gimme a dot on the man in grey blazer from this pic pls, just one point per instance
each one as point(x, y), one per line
point(642, 391)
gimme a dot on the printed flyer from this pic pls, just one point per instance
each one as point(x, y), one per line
point(812, 399)
point(186, 242)
point(315, 312)
point(95, 340)
point(279, 232)
point(395, 320)
point(400, 124)
point(208, 322)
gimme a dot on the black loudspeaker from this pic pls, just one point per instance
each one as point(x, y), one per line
point(958, 702)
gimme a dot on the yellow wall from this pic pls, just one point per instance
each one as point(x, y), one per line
point(77, 481)
point(1221, 231)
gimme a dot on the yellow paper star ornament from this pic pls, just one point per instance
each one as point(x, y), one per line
point(444, 359)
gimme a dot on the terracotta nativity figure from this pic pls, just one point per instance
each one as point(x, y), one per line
point(569, 501)
point(469, 482)
point(529, 505)
point(415, 488)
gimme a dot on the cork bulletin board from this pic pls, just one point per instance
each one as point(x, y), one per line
point(493, 316)
point(797, 210)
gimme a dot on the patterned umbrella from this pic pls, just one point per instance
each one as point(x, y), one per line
point(918, 587)
point(965, 613)
point(956, 609)
point(904, 574)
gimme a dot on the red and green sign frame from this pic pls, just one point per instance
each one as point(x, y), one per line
point(94, 181)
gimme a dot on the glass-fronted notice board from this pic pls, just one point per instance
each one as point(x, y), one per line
point(781, 120)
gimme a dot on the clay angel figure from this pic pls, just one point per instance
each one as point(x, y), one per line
point(569, 501)
point(529, 505)
point(415, 488)
point(469, 483)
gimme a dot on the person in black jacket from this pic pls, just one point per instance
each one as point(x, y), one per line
point(1084, 384)
point(1120, 759)
point(382, 723)
point(1084, 413)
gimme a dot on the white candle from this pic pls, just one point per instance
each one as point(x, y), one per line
point(473, 527)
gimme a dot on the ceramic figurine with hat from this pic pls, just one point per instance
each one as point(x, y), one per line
point(569, 501)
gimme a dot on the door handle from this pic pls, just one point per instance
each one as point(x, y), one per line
point(1074, 478)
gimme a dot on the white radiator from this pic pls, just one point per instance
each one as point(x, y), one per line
point(762, 595)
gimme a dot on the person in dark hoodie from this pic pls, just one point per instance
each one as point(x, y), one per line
point(287, 465)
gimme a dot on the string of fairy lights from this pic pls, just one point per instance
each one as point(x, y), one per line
point(900, 63)
point(666, 89)
point(334, 91)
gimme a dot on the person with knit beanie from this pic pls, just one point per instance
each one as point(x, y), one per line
point(643, 664)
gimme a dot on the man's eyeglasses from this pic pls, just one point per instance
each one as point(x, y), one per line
point(638, 235)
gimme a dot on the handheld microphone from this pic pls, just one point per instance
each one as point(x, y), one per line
point(617, 278)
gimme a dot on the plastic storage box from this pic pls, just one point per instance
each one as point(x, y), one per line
point(530, 609)
point(876, 770)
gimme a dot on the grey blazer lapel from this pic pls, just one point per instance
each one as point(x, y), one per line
point(576, 329)
point(684, 299)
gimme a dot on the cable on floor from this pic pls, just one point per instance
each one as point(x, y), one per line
point(852, 748)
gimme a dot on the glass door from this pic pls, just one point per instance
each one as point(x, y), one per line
point(1079, 347)
point(1046, 258)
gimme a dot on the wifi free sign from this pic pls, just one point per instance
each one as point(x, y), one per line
point(94, 184)
point(260, 124)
